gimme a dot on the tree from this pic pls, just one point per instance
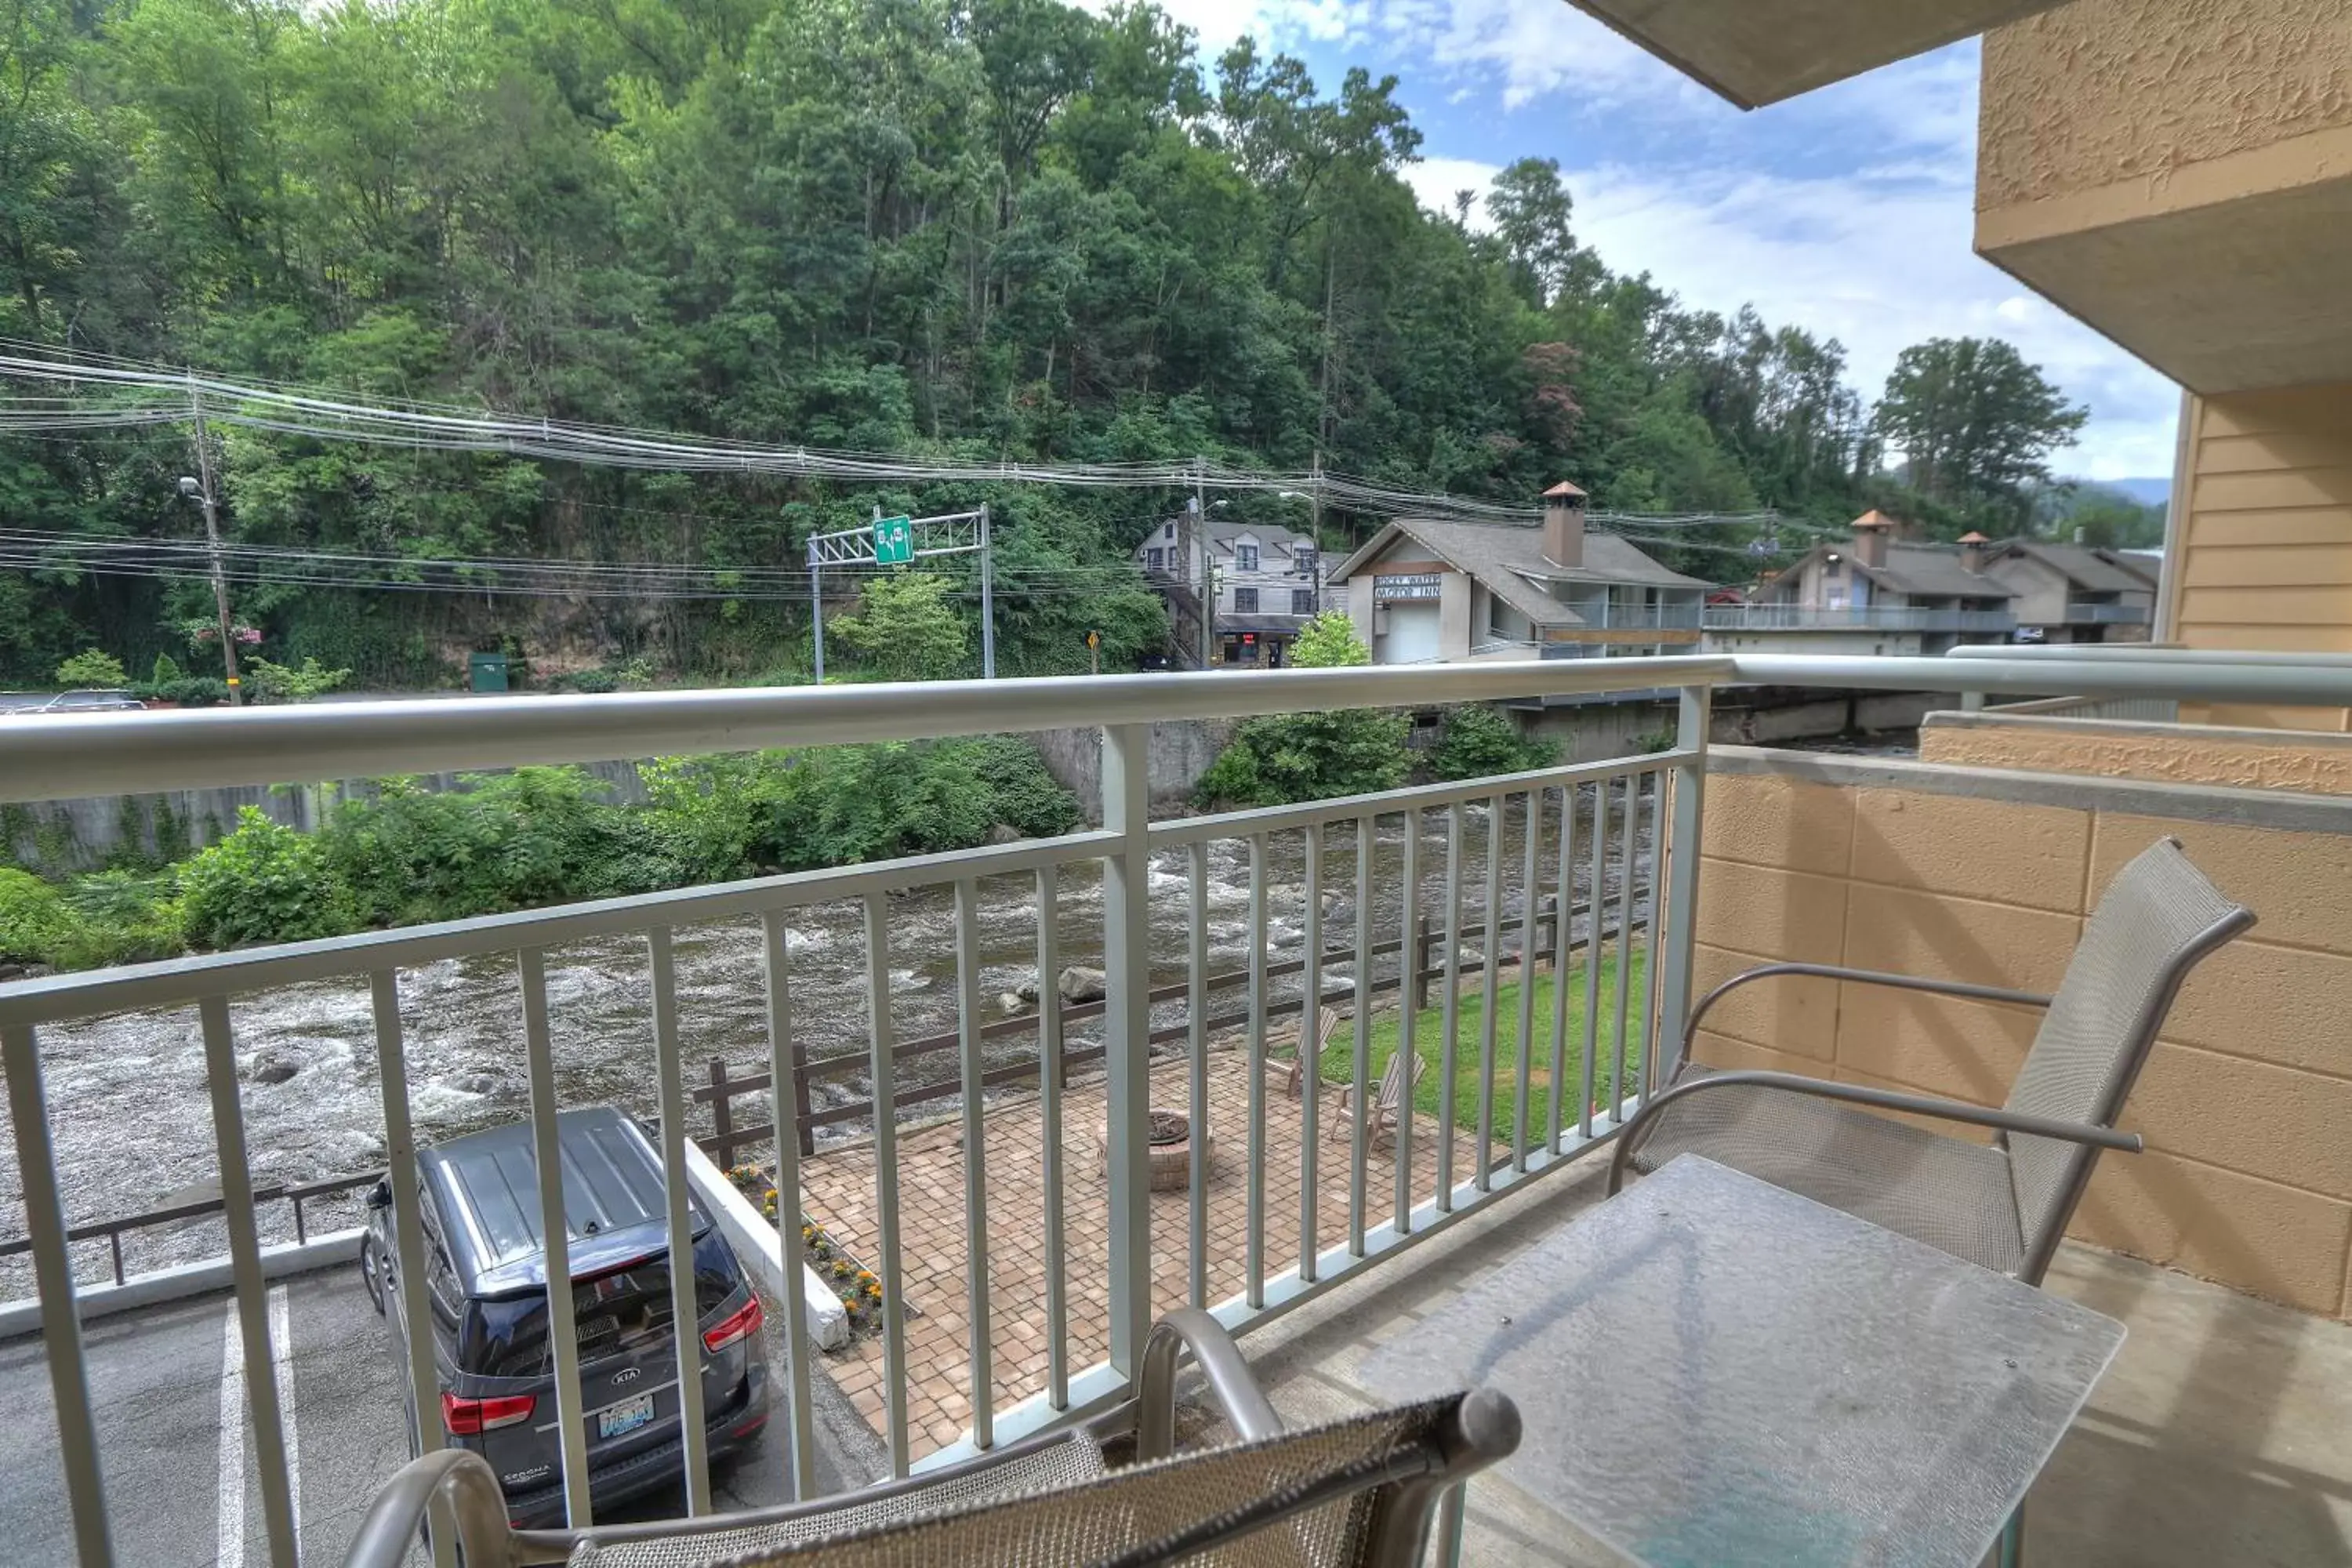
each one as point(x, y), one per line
point(1312, 756)
point(92, 667)
point(907, 629)
point(1975, 423)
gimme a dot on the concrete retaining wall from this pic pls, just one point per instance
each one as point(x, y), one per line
point(187, 1279)
point(1180, 753)
point(60, 835)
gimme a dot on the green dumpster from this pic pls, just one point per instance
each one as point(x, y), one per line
point(487, 672)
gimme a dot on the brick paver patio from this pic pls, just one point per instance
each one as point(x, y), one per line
point(937, 1253)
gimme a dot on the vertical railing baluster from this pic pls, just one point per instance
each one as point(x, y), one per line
point(1196, 1018)
point(1489, 992)
point(547, 1154)
point(883, 1070)
point(975, 1162)
point(407, 1230)
point(1127, 1038)
point(1360, 1124)
point(1682, 851)
point(685, 1314)
point(1049, 1099)
point(1626, 832)
point(61, 1345)
point(1531, 880)
point(1254, 1241)
point(1449, 1026)
point(252, 1289)
point(1595, 920)
point(1310, 1065)
point(800, 1420)
point(1651, 1048)
point(1565, 910)
point(1408, 1034)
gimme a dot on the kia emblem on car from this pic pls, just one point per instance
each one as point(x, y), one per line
point(626, 1374)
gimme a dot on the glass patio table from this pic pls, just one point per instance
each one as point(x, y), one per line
point(1714, 1371)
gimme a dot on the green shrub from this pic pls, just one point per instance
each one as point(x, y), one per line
point(34, 918)
point(121, 917)
point(1289, 757)
point(167, 670)
point(1024, 795)
point(264, 882)
point(271, 682)
point(192, 691)
point(505, 841)
point(1483, 742)
point(91, 668)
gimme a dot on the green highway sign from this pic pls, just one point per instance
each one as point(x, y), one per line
point(894, 541)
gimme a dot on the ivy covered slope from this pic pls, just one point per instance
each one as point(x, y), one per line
point(1008, 230)
point(403, 854)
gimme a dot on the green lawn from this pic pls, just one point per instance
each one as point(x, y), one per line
point(1338, 1058)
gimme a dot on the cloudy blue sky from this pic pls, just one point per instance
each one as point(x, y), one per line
point(1847, 212)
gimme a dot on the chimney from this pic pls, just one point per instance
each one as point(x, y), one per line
point(1563, 525)
point(1972, 551)
point(1870, 532)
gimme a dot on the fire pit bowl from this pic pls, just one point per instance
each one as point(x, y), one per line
point(1171, 1150)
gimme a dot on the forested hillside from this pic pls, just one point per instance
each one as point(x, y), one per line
point(1001, 228)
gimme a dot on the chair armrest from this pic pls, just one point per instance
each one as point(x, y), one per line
point(1860, 977)
point(1878, 1099)
point(390, 1526)
point(1219, 1361)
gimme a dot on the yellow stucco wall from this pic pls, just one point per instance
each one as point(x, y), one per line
point(2246, 1102)
point(2233, 758)
point(2102, 91)
point(2263, 549)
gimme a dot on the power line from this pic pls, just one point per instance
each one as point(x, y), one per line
point(441, 427)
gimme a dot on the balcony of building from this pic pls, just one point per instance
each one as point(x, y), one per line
point(1856, 617)
point(1536, 940)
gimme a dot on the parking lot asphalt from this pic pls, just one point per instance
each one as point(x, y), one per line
point(168, 1389)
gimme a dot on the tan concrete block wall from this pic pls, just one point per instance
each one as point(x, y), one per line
point(2282, 759)
point(2246, 1103)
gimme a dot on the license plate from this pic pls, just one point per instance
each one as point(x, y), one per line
point(615, 1420)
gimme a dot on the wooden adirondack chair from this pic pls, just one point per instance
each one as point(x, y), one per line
point(1388, 1100)
point(1294, 1082)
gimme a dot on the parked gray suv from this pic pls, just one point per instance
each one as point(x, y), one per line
point(486, 1275)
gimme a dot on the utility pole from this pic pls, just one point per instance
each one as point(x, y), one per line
point(816, 608)
point(205, 502)
point(1208, 564)
point(1315, 521)
point(987, 601)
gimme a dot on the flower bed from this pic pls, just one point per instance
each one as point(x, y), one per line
point(859, 1289)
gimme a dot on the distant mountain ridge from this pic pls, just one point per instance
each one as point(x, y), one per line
point(2147, 492)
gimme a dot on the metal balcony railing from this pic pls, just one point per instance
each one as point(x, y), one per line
point(1867, 618)
point(1593, 833)
point(2085, 612)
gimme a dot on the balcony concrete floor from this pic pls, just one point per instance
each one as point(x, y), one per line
point(2221, 1434)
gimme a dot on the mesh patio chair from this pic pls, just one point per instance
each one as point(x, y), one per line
point(2005, 1204)
point(1358, 1491)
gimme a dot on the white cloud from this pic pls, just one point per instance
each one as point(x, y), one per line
point(1434, 182)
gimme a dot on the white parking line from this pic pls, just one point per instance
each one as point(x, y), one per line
point(281, 1352)
point(230, 1550)
point(235, 1413)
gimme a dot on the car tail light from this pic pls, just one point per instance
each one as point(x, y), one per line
point(468, 1417)
point(737, 1325)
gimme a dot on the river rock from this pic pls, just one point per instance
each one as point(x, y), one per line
point(273, 1067)
point(478, 1083)
point(1079, 984)
point(1013, 1001)
point(1006, 833)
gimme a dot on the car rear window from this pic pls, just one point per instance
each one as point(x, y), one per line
point(613, 1313)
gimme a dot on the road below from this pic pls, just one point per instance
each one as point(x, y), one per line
point(168, 1388)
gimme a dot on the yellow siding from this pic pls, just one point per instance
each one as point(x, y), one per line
point(2265, 545)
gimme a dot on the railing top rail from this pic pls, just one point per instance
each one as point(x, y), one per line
point(2305, 682)
point(128, 753)
point(2141, 653)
